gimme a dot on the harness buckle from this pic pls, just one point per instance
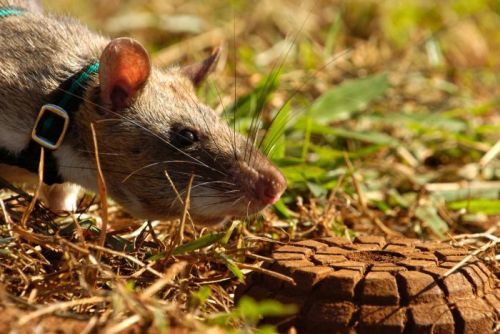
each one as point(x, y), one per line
point(50, 126)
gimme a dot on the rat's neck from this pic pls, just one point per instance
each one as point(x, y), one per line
point(30, 72)
point(55, 117)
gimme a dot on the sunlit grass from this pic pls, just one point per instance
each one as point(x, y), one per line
point(384, 116)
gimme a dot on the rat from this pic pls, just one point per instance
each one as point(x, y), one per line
point(57, 77)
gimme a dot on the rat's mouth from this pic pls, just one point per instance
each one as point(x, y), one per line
point(244, 205)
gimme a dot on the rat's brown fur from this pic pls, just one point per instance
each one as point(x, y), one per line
point(136, 142)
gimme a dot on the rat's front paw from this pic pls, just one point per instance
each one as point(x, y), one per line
point(60, 197)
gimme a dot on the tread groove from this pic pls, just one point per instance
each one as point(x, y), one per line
point(374, 285)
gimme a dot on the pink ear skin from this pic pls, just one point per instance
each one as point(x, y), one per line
point(198, 72)
point(124, 69)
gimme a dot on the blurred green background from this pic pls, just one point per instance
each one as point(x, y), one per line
point(382, 114)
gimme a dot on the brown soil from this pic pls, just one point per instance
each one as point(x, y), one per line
point(374, 285)
point(47, 325)
point(54, 324)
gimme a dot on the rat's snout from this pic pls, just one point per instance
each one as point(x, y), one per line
point(269, 186)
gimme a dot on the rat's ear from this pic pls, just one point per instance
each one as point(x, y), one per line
point(124, 70)
point(198, 72)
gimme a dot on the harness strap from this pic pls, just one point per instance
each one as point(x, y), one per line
point(11, 11)
point(53, 121)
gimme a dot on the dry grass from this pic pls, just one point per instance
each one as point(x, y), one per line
point(140, 278)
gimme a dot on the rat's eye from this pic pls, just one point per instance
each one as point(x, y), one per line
point(184, 137)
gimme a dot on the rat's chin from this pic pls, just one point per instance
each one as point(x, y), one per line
point(218, 220)
point(214, 217)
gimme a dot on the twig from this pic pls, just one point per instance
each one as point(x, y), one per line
point(177, 194)
point(259, 257)
point(362, 201)
point(31, 206)
point(128, 257)
point(123, 325)
point(34, 237)
point(383, 227)
point(102, 192)
point(468, 257)
point(91, 325)
point(452, 186)
point(177, 239)
point(185, 210)
point(357, 187)
point(6, 217)
point(268, 272)
point(173, 271)
point(48, 309)
point(489, 234)
point(153, 234)
point(490, 155)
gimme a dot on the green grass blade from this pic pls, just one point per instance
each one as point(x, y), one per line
point(341, 102)
point(199, 243)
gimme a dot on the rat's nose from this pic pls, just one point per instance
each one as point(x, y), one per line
point(269, 187)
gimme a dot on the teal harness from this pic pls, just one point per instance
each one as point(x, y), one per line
point(53, 120)
point(11, 11)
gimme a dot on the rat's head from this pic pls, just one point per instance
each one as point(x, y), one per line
point(154, 135)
